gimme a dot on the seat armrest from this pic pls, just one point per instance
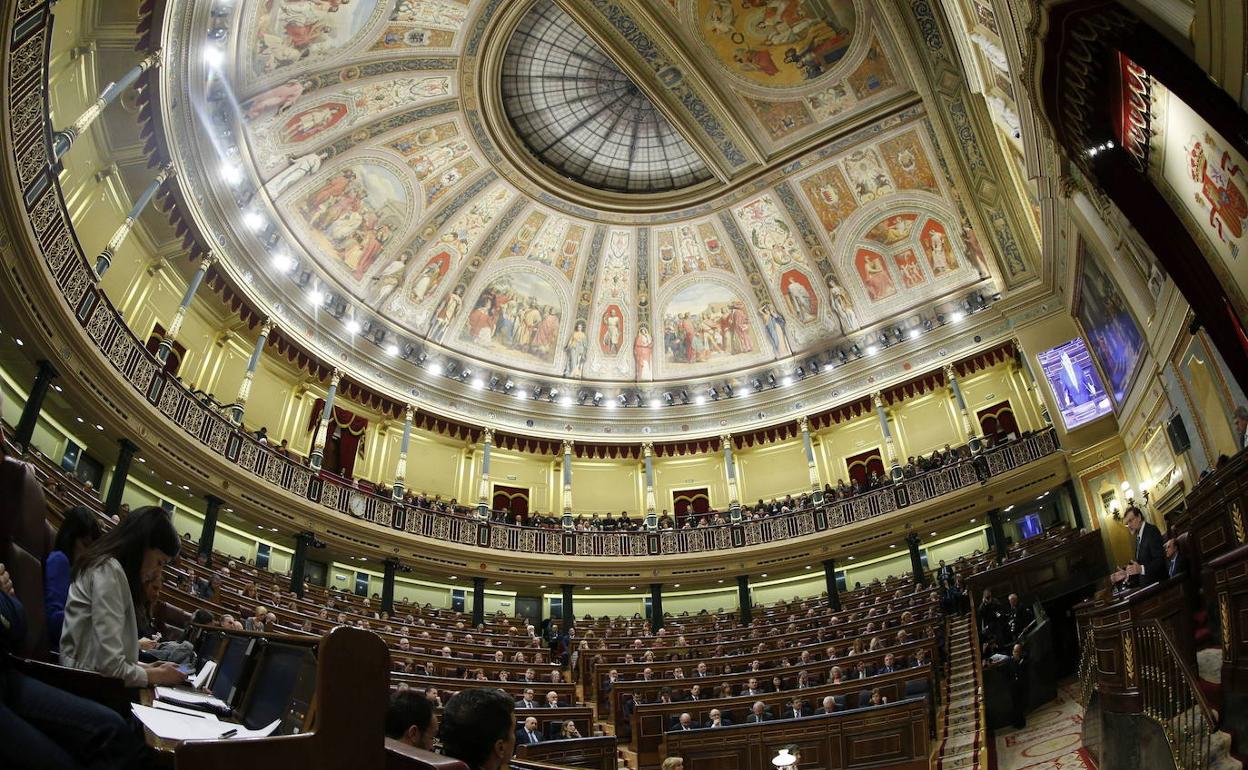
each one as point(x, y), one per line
point(86, 684)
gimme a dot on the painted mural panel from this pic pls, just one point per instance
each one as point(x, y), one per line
point(874, 274)
point(706, 323)
point(352, 215)
point(518, 313)
point(778, 43)
point(830, 197)
point(690, 248)
point(908, 163)
point(1208, 179)
point(292, 31)
point(1115, 338)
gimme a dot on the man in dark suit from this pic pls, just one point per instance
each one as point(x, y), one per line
point(758, 713)
point(1176, 563)
point(1149, 564)
point(717, 720)
point(684, 722)
point(529, 701)
point(888, 666)
point(695, 693)
point(944, 573)
point(529, 733)
point(1016, 671)
point(828, 707)
point(797, 709)
point(1017, 616)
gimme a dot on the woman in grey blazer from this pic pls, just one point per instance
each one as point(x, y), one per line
point(108, 595)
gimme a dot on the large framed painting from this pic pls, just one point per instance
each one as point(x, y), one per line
point(1114, 337)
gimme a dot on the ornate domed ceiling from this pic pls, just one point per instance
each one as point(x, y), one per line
point(630, 195)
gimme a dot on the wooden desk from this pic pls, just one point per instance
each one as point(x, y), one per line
point(1216, 512)
point(549, 720)
point(895, 736)
point(1230, 581)
point(1112, 620)
point(1052, 571)
point(650, 721)
point(597, 753)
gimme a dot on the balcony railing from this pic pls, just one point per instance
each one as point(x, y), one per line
point(54, 235)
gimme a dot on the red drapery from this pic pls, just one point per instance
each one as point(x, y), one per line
point(997, 419)
point(691, 501)
point(514, 499)
point(345, 440)
point(861, 466)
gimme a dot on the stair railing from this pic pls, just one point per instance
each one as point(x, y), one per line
point(1172, 697)
point(1087, 668)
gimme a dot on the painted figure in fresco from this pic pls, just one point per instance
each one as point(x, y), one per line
point(612, 336)
point(776, 334)
point(303, 166)
point(643, 353)
point(843, 306)
point(1228, 207)
point(446, 311)
point(390, 276)
point(578, 345)
point(875, 276)
point(276, 100)
point(798, 298)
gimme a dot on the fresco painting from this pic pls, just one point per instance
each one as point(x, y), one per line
point(291, 31)
point(941, 257)
point(353, 214)
point(829, 195)
point(705, 323)
point(517, 313)
point(908, 163)
point(779, 43)
point(876, 279)
point(799, 296)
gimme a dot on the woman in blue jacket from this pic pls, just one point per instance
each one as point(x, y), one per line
point(79, 529)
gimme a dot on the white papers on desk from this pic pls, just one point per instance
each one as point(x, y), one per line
point(173, 726)
point(184, 697)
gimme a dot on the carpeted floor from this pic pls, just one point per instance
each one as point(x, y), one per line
point(1050, 741)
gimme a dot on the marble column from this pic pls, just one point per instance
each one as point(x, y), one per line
point(890, 452)
point(64, 139)
point(483, 488)
point(244, 388)
point(318, 444)
point(121, 472)
point(175, 327)
point(973, 439)
point(647, 453)
point(812, 467)
point(400, 469)
point(104, 259)
point(730, 468)
point(567, 484)
point(208, 533)
point(25, 429)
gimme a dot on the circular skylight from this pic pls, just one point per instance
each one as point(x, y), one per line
point(585, 118)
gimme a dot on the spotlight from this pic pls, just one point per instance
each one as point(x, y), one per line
point(957, 316)
point(622, 399)
point(610, 403)
point(714, 393)
point(684, 397)
point(353, 326)
point(915, 332)
point(253, 220)
point(699, 399)
point(758, 385)
point(232, 174)
point(213, 56)
point(857, 351)
point(728, 389)
point(435, 369)
point(283, 262)
point(478, 383)
point(494, 382)
point(787, 381)
point(656, 403)
point(520, 393)
point(316, 297)
point(508, 385)
point(566, 401)
point(597, 398)
point(872, 350)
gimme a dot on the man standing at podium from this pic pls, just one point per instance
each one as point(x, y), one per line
point(1149, 564)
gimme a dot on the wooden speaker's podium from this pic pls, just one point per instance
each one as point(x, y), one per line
point(1118, 623)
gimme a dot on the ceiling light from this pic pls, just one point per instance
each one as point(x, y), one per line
point(79, 419)
point(787, 381)
point(851, 558)
point(232, 174)
point(392, 349)
point(655, 403)
point(454, 577)
point(478, 383)
point(972, 521)
point(316, 297)
point(213, 56)
point(676, 585)
point(699, 399)
point(721, 580)
point(632, 588)
point(808, 566)
point(1008, 508)
point(353, 326)
point(498, 582)
point(764, 574)
point(99, 427)
point(611, 404)
point(435, 369)
point(19, 342)
point(283, 262)
point(253, 220)
point(566, 401)
point(933, 534)
point(542, 586)
point(872, 349)
point(142, 459)
point(586, 588)
point(893, 545)
point(915, 332)
point(519, 393)
point(957, 316)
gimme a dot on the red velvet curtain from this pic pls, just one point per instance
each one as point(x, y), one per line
point(691, 502)
point(861, 466)
point(340, 452)
point(514, 499)
point(998, 419)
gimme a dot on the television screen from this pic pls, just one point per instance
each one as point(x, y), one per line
point(1076, 385)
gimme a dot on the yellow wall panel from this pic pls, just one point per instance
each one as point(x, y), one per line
point(926, 423)
point(772, 471)
point(599, 486)
point(672, 474)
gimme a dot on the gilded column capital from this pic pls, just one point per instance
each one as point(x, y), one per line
point(647, 449)
point(409, 412)
point(877, 400)
point(266, 327)
point(567, 446)
point(725, 441)
point(950, 374)
point(487, 435)
point(334, 378)
point(803, 424)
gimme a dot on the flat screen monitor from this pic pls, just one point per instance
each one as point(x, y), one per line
point(281, 687)
point(1030, 526)
point(230, 668)
point(1076, 385)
